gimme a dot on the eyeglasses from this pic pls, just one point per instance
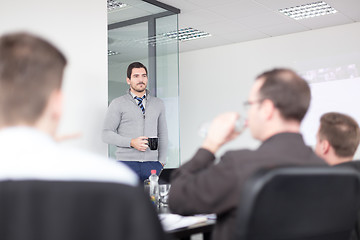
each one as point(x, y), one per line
point(247, 104)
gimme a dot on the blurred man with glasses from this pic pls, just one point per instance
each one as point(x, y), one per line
point(278, 101)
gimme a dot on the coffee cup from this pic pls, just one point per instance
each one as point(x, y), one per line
point(153, 143)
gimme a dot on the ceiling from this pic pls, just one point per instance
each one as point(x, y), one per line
point(133, 8)
point(233, 21)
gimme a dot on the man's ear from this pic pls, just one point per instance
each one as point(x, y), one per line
point(325, 146)
point(49, 120)
point(268, 109)
point(55, 105)
point(128, 81)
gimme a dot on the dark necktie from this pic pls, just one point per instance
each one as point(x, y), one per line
point(140, 103)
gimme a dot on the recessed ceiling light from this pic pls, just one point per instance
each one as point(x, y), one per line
point(309, 10)
point(186, 34)
point(112, 53)
point(114, 4)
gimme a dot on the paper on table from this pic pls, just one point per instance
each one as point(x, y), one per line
point(174, 221)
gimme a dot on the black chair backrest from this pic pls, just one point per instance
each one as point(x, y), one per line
point(61, 210)
point(164, 177)
point(299, 203)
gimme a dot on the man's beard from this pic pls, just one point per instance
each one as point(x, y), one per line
point(138, 89)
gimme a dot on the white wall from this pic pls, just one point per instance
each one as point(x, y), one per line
point(79, 29)
point(218, 79)
point(217, 76)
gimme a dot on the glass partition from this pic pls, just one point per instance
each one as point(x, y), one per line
point(167, 84)
point(144, 32)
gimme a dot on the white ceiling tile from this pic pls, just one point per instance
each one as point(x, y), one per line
point(350, 8)
point(125, 14)
point(238, 9)
point(211, 40)
point(244, 36)
point(212, 3)
point(279, 4)
point(184, 5)
point(263, 20)
point(282, 29)
point(208, 42)
point(325, 21)
point(223, 27)
point(198, 18)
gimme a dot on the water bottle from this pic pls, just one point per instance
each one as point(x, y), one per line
point(154, 187)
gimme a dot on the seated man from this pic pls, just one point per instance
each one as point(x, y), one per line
point(337, 139)
point(277, 103)
point(31, 72)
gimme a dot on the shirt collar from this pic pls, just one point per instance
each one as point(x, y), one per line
point(133, 95)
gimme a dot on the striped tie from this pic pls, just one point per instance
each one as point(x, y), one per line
point(140, 103)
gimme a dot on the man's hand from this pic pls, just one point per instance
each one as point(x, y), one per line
point(221, 131)
point(139, 143)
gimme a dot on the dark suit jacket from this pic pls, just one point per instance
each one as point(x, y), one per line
point(354, 165)
point(200, 186)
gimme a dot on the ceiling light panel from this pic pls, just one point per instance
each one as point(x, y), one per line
point(309, 10)
point(186, 34)
point(112, 53)
point(114, 5)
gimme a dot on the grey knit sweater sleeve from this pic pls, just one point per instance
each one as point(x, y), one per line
point(111, 124)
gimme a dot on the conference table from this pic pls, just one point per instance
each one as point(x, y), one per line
point(205, 228)
point(185, 233)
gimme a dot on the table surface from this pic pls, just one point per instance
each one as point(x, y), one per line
point(186, 232)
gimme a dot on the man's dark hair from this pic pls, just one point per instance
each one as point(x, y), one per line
point(30, 69)
point(342, 132)
point(288, 91)
point(135, 65)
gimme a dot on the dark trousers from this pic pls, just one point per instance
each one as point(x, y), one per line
point(143, 169)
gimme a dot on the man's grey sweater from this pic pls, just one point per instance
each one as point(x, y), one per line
point(124, 121)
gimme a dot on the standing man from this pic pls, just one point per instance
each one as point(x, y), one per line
point(134, 118)
point(277, 104)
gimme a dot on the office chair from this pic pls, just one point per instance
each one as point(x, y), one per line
point(164, 176)
point(62, 210)
point(299, 203)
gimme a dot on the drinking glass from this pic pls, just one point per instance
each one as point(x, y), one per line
point(147, 186)
point(164, 193)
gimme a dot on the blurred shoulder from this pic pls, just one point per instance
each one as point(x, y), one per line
point(355, 164)
point(93, 167)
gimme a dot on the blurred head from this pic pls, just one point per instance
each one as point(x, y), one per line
point(279, 99)
point(137, 77)
point(31, 72)
point(338, 137)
